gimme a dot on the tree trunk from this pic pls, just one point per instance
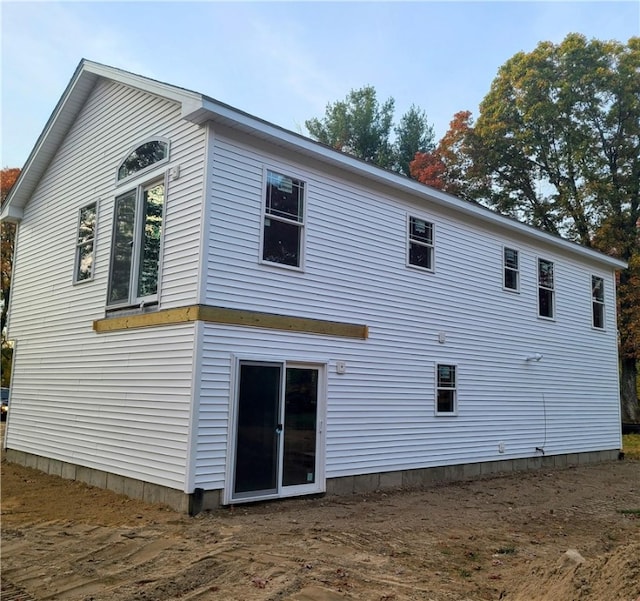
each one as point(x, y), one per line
point(630, 409)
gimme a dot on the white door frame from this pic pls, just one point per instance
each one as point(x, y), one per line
point(316, 487)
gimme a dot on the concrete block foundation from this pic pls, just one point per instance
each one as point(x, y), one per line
point(207, 500)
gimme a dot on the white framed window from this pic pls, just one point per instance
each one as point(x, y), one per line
point(420, 251)
point(597, 302)
point(546, 289)
point(147, 154)
point(511, 269)
point(283, 220)
point(136, 244)
point(86, 243)
point(446, 389)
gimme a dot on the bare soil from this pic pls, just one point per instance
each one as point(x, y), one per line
point(500, 538)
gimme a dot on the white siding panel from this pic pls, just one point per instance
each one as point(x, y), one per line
point(120, 401)
point(116, 402)
point(380, 414)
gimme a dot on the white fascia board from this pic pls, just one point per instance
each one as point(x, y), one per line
point(11, 214)
point(66, 111)
point(229, 116)
point(152, 86)
point(47, 143)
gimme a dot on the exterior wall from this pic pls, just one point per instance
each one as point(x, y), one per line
point(119, 402)
point(380, 414)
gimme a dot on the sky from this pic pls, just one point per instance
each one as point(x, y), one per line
point(283, 61)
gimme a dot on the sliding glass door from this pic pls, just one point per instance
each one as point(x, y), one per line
point(277, 430)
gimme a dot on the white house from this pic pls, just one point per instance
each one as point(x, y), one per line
point(210, 309)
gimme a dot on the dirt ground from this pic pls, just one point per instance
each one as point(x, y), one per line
point(556, 535)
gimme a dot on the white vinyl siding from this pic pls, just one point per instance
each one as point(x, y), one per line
point(380, 413)
point(120, 402)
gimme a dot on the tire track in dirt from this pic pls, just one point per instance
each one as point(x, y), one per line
point(470, 541)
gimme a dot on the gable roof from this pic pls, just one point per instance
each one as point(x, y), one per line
point(198, 108)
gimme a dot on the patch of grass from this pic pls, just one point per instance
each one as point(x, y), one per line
point(510, 550)
point(465, 573)
point(629, 512)
point(631, 446)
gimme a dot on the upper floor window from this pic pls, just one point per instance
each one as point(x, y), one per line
point(420, 243)
point(511, 267)
point(283, 231)
point(145, 155)
point(597, 301)
point(135, 245)
point(546, 289)
point(85, 243)
point(446, 389)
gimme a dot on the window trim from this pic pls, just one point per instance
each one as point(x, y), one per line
point(601, 303)
point(302, 224)
point(409, 241)
point(505, 267)
point(94, 240)
point(455, 389)
point(152, 299)
point(149, 170)
point(551, 317)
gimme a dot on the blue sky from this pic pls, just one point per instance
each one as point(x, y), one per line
point(283, 61)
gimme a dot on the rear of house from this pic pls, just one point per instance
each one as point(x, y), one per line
point(232, 312)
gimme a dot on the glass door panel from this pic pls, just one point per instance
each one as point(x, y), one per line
point(258, 429)
point(300, 426)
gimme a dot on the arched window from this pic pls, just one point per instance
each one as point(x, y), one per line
point(136, 241)
point(145, 155)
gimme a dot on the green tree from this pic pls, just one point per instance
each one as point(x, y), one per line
point(413, 134)
point(359, 125)
point(8, 177)
point(557, 144)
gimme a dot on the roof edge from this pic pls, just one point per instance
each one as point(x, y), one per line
point(78, 89)
point(199, 109)
point(220, 112)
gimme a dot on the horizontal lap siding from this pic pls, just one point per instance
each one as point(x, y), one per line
point(380, 414)
point(118, 402)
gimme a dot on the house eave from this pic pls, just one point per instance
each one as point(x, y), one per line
point(11, 214)
point(217, 112)
point(71, 102)
point(200, 109)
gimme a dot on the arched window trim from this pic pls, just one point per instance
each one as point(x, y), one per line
point(149, 168)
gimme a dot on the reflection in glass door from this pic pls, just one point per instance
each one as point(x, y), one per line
point(277, 434)
point(300, 426)
point(257, 430)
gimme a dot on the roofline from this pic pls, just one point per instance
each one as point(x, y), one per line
point(199, 109)
point(216, 111)
point(57, 126)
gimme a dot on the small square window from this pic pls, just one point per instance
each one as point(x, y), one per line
point(446, 389)
point(420, 243)
point(85, 244)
